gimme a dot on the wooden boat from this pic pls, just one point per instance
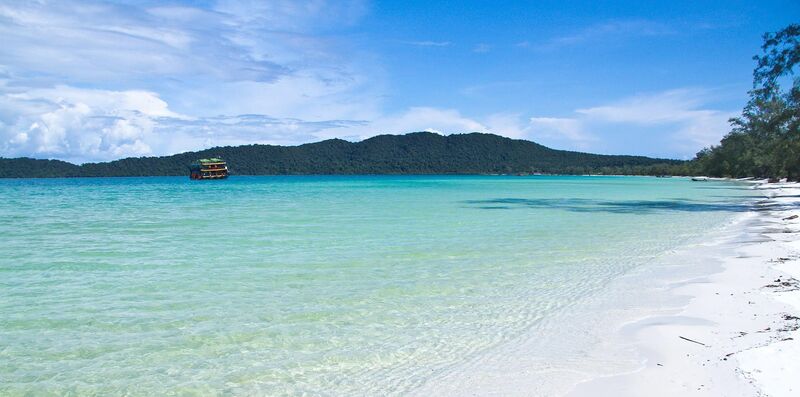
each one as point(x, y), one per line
point(213, 168)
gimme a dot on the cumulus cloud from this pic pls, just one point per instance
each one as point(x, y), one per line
point(87, 124)
point(168, 72)
point(76, 124)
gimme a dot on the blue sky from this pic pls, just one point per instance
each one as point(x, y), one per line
point(91, 81)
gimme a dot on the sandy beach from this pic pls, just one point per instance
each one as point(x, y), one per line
point(715, 318)
point(738, 335)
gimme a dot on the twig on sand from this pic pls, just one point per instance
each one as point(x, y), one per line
point(690, 340)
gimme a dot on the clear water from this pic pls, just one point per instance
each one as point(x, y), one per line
point(318, 285)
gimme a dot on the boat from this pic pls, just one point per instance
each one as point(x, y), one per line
point(213, 168)
point(700, 178)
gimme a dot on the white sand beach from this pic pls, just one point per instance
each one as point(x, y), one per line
point(718, 318)
point(738, 335)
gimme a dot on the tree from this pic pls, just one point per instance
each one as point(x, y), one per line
point(765, 139)
point(781, 109)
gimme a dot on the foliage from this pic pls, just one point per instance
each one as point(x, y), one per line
point(32, 168)
point(415, 153)
point(765, 140)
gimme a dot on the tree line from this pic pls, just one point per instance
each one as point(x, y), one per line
point(764, 141)
point(414, 153)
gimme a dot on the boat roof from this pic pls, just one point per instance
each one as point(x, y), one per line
point(211, 160)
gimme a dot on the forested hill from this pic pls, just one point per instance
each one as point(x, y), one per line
point(414, 153)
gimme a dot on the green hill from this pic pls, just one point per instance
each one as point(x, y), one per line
point(414, 153)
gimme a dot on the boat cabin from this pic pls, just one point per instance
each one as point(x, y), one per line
point(213, 168)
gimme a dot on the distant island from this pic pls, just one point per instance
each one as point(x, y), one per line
point(413, 153)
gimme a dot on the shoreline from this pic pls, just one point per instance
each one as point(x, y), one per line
point(712, 317)
point(738, 335)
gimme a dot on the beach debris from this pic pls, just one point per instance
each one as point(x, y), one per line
point(785, 284)
point(792, 323)
point(788, 218)
point(692, 340)
point(783, 259)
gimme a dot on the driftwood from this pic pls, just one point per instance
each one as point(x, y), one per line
point(788, 218)
point(690, 340)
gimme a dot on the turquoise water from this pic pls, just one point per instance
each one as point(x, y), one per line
point(318, 285)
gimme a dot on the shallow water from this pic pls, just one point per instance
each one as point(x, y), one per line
point(337, 285)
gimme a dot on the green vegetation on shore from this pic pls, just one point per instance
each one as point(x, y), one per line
point(765, 139)
point(415, 153)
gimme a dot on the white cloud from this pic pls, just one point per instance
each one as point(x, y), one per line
point(682, 115)
point(482, 48)
point(564, 132)
point(101, 41)
point(281, 61)
point(86, 81)
point(301, 95)
point(682, 109)
point(79, 124)
point(668, 106)
point(443, 121)
point(613, 30)
point(554, 132)
point(245, 129)
point(293, 15)
point(704, 129)
point(87, 125)
point(144, 102)
point(428, 43)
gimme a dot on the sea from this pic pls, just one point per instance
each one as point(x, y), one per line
point(324, 285)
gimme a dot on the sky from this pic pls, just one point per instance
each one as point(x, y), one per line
point(88, 81)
